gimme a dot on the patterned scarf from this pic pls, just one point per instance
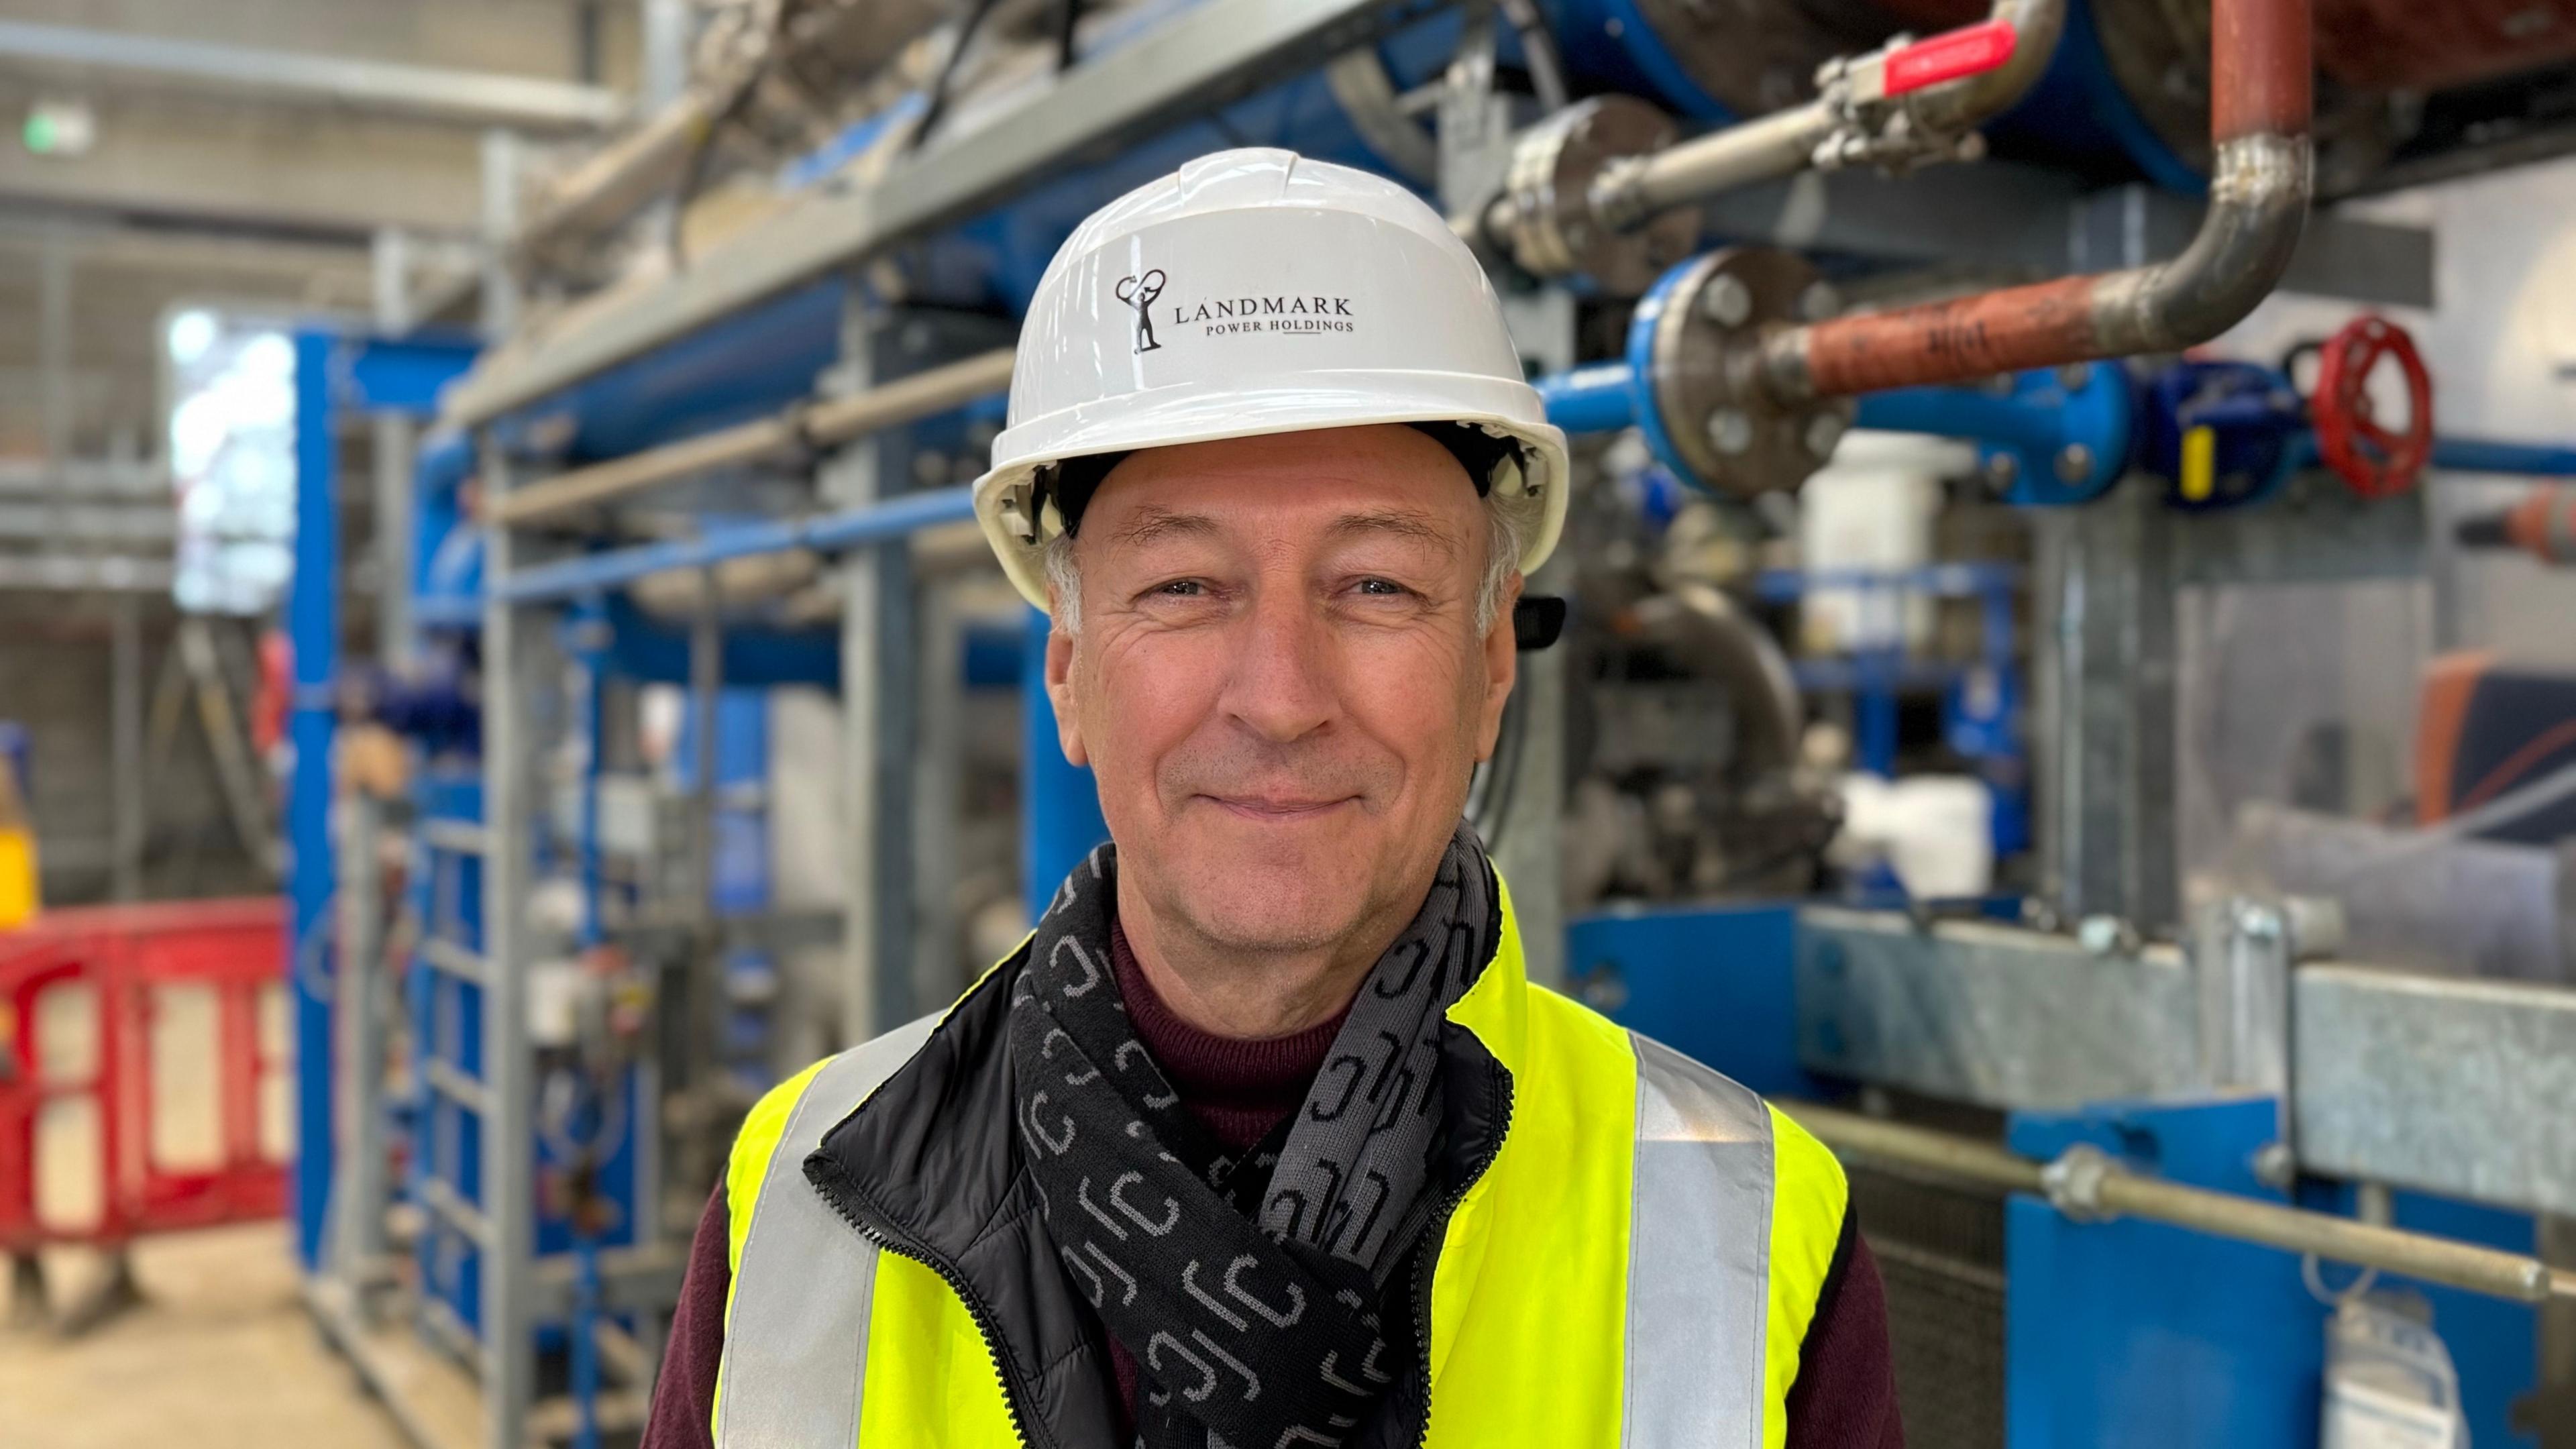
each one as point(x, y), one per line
point(1248, 1287)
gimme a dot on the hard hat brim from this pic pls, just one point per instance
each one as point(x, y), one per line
point(1213, 412)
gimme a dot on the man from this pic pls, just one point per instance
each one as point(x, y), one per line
point(1263, 1139)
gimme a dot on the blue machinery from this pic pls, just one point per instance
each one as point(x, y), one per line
point(2118, 1332)
point(1647, 956)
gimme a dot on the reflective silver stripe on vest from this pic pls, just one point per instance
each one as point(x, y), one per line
point(796, 1348)
point(1699, 1258)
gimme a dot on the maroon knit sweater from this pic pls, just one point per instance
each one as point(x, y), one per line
point(1845, 1396)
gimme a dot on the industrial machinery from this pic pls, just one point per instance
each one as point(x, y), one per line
point(708, 473)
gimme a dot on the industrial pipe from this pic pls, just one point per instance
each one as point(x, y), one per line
point(2486, 455)
point(806, 426)
point(620, 178)
point(2049, 437)
point(2086, 1182)
point(846, 39)
point(896, 517)
point(1960, 87)
point(2542, 525)
point(2260, 109)
point(1597, 187)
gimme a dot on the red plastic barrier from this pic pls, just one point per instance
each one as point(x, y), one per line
point(132, 962)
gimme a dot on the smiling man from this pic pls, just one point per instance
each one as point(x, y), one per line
point(1263, 1138)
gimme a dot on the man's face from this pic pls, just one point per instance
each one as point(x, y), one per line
point(1279, 683)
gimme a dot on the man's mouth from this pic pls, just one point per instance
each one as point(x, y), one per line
point(1279, 808)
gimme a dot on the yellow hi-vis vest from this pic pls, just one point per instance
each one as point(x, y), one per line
point(1637, 1268)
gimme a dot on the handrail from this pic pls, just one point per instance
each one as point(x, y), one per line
point(2086, 1182)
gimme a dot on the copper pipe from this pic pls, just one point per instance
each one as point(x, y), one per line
point(2259, 117)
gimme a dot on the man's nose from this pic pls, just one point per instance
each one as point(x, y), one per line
point(1279, 683)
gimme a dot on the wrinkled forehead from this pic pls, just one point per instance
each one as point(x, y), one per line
point(1312, 487)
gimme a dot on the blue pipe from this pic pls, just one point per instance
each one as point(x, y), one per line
point(2037, 422)
point(1960, 412)
point(2485, 455)
point(829, 533)
point(1598, 397)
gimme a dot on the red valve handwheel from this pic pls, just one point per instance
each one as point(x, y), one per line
point(2373, 461)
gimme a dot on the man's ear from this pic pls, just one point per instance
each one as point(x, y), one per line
point(1502, 669)
point(1059, 688)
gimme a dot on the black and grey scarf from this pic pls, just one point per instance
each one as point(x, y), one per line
point(1247, 1286)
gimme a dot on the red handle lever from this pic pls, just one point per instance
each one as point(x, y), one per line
point(1970, 50)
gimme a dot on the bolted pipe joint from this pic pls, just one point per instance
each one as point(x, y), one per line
point(2074, 1182)
point(1546, 220)
point(1695, 351)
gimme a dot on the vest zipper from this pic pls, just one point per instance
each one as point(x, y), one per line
point(885, 1239)
point(1424, 1262)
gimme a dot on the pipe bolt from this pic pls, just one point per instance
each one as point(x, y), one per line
point(1819, 302)
point(1823, 431)
point(2003, 470)
point(1726, 301)
point(2074, 463)
point(1731, 431)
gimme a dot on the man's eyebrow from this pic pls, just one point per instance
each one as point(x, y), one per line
point(1403, 523)
point(1153, 525)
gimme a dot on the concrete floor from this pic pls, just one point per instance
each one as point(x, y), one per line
point(220, 1355)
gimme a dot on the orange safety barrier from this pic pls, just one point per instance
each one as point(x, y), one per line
point(144, 1081)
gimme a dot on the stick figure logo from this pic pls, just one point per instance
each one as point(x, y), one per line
point(1139, 293)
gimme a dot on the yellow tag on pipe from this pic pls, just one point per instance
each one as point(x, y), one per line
point(2199, 465)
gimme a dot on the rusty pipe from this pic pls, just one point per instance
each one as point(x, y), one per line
point(2259, 119)
point(1784, 143)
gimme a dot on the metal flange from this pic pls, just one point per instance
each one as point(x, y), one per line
point(1550, 224)
point(1697, 336)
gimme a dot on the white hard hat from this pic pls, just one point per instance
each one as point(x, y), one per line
point(1254, 292)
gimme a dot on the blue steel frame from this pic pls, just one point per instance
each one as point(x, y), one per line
point(337, 373)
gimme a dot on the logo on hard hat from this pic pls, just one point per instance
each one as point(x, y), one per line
point(1139, 292)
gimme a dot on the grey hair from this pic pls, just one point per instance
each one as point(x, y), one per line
point(1502, 562)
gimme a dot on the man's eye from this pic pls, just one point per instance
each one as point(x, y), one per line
point(1383, 588)
point(1179, 589)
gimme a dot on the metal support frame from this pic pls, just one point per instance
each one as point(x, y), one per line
point(512, 632)
point(330, 972)
point(125, 748)
point(1187, 62)
point(354, 1247)
point(313, 612)
point(455, 97)
point(2421, 1082)
point(2105, 696)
